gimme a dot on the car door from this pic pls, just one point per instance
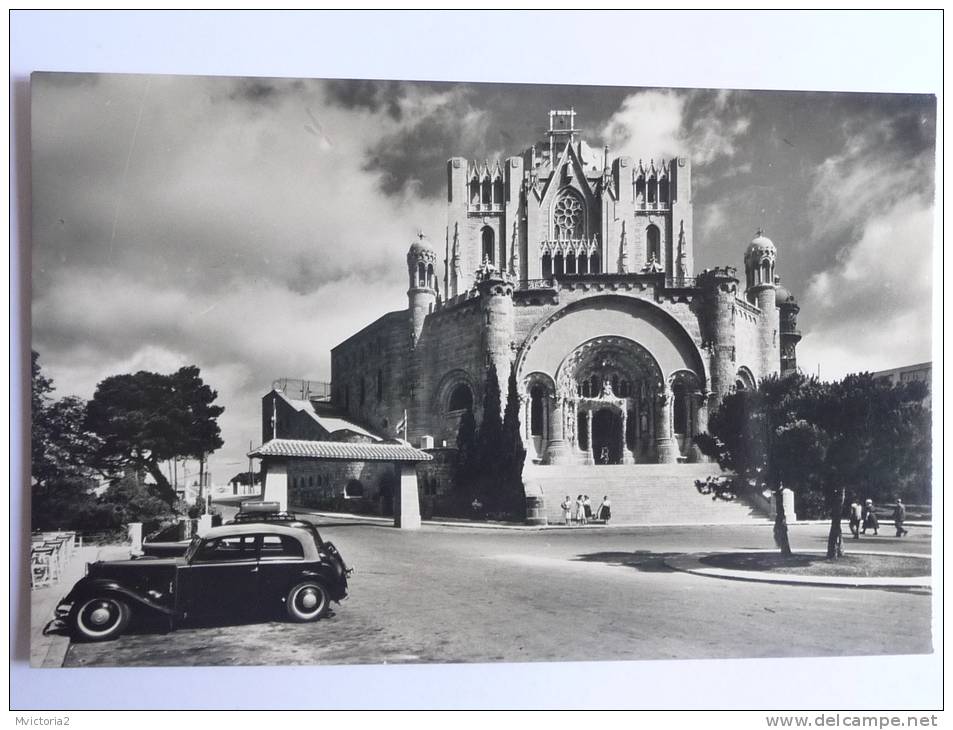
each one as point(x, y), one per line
point(222, 578)
point(280, 562)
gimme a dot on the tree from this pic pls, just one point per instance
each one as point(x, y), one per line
point(62, 480)
point(60, 447)
point(465, 476)
point(513, 453)
point(823, 440)
point(490, 443)
point(144, 419)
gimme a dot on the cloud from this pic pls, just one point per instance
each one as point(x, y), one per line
point(873, 226)
point(701, 124)
point(233, 224)
point(873, 306)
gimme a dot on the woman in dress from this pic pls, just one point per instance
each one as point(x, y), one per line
point(567, 511)
point(605, 510)
point(580, 511)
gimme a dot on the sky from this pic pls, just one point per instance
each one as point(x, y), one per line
point(249, 225)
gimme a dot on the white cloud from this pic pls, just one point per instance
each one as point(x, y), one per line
point(653, 124)
point(873, 306)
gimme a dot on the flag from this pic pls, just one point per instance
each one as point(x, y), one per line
point(402, 425)
point(274, 417)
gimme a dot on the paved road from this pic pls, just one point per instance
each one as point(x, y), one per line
point(476, 595)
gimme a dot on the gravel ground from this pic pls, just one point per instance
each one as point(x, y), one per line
point(475, 595)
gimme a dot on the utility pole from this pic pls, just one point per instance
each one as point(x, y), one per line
point(251, 476)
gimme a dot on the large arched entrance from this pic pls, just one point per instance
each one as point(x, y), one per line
point(610, 386)
point(606, 444)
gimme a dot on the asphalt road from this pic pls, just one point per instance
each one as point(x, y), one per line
point(478, 595)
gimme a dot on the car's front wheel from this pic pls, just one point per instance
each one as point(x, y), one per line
point(101, 618)
point(308, 601)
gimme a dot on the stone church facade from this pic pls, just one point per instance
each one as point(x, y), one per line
point(576, 270)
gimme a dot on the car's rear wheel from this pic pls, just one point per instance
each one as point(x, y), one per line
point(308, 601)
point(101, 618)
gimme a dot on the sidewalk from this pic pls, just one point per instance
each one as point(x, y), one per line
point(50, 651)
point(692, 564)
point(450, 522)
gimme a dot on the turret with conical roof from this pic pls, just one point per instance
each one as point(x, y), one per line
point(760, 258)
point(421, 294)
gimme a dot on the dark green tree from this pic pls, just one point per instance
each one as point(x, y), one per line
point(859, 435)
point(490, 443)
point(62, 480)
point(144, 419)
point(467, 462)
point(513, 453)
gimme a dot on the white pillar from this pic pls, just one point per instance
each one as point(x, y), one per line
point(135, 535)
point(274, 488)
point(407, 508)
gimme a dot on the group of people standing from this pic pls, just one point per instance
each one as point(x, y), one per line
point(864, 517)
point(580, 510)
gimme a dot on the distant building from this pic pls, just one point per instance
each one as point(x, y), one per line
point(245, 482)
point(922, 371)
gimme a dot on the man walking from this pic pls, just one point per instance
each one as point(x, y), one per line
point(856, 515)
point(899, 515)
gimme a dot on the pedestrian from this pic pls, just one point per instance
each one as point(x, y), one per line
point(605, 510)
point(566, 507)
point(580, 511)
point(856, 515)
point(870, 518)
point(587, 506)
point(899, 515)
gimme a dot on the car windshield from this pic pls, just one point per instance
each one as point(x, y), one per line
point(193, 548)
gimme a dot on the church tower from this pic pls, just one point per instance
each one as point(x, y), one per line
point(422, 294)
point(760, 259)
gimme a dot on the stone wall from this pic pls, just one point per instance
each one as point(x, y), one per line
point(380, 350)
point(322, 485)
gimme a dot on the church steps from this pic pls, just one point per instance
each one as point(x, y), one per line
point(644, 494)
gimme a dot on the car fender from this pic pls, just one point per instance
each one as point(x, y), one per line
point(90, 587)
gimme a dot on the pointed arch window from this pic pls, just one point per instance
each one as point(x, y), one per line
point(474, 191)
point(558, 268)
point(663, 192)
point(547, 265)
point(653, 191)
point(487, 236)
point(653, 240)
point(498, 191)
point(487, 191)
point(594, 266)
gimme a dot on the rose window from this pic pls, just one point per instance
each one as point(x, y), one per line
point(567, 218)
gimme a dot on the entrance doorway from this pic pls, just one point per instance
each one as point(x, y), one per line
point(607, 436)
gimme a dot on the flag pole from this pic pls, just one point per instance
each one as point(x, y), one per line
point(405, 424)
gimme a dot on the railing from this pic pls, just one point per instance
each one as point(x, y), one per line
point(303, 389)
point(679, 282)
point(537, 284)
point(486, 207)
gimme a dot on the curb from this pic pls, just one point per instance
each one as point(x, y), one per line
point(692, 564)
point(388, 521)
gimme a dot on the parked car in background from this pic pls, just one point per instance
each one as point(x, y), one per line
point(240, 571)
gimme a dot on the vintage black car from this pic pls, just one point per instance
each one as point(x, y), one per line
point(249, 511)
point(233, 572)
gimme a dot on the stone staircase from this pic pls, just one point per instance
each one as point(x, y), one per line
point(641, 494)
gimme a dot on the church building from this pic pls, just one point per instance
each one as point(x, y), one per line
point(576, 270)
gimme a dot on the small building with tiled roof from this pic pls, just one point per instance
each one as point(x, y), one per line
point(316, 456)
